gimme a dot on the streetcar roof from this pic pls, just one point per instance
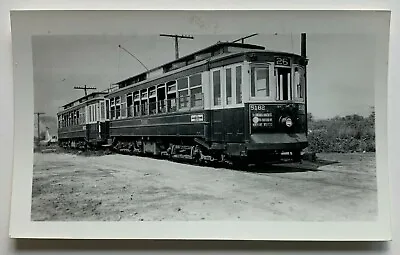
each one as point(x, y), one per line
point(84, 99)
point(211, 50)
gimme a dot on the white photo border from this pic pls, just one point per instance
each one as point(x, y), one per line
point(28, 23)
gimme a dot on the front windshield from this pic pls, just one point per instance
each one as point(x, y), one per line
point(286, 83)
point(260, 82)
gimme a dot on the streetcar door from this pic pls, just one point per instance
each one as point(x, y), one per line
point(217, 125)
point(232, 109)
point(283, 74)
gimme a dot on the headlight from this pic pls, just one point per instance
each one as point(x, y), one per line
point(288, 122)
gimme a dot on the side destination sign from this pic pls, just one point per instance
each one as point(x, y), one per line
point(197, 117)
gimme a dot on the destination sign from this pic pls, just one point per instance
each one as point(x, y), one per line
point(260, 117)
point(282, 61)
point(197, 118)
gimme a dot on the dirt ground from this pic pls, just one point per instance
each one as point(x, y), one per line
point(70, 187)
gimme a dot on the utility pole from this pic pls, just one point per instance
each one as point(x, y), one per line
point(38, 125)
point(119, 46)
point(85, 89)
point(245, 37)
point(176, 37)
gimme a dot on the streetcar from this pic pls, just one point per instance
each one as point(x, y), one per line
point(232, 102)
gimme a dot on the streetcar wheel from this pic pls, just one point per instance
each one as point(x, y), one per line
point(240, 163)
point(296, 155)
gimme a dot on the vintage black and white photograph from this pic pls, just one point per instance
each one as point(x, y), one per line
point(252, 125)
point(204, 127)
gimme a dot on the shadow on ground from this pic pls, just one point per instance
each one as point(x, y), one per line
point(304, 166)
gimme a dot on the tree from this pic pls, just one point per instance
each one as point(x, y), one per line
point(310, 117)
point(372, 114)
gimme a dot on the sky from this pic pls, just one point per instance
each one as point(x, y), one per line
point(340, 70)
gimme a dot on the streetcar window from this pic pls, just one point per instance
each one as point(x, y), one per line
point(144, 94)
point(284, 84)
point(217, 87)
point(152, 92)
point(129, 104)
point(171, 86)
point(238, 84)
point(260, 82)
point(196, 97)
point(152, 105)
point(102, 114)
point(196, 91)
point(123, 106)
point(228, 83)
point(118, 111)
point(195, 80)
point(81, 116)
point(183, 99)
point(144, 107)
point(183, 93)
point(117, 107)
point(136, 95)
point(90, 113)
point(299, 83)
point(107, 109)
point(136, 109)
point(152, 100)
point(112, 108)
point(161, 99)
point(182, 83)
point(112, 112)
point(171, 102)
point(95, 112)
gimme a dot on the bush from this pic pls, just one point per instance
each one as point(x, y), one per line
point(352, 133)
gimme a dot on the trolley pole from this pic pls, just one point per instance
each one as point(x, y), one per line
point(176, 37)
point(85, 89)
point(119, 46)
point(38, 125)
point(243, 38)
